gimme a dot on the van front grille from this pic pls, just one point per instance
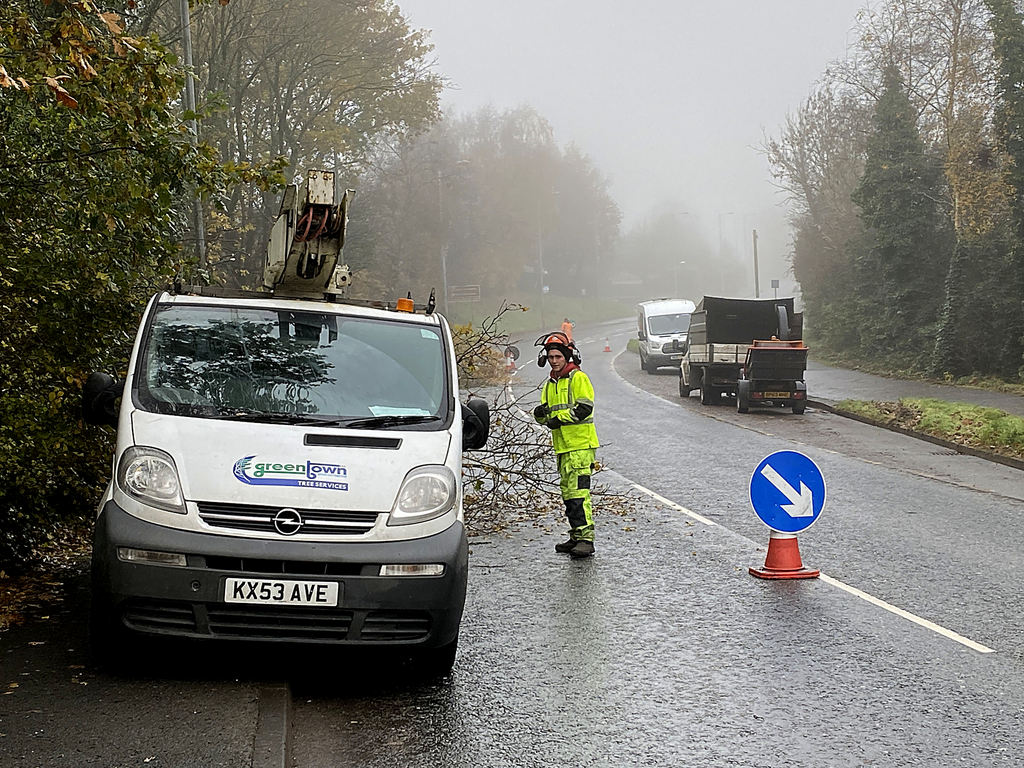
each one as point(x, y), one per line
point(262, 566)
point(273, 622)
point(260, 519)
point(278, 623)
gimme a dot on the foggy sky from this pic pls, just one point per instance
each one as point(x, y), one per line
point(669, 98)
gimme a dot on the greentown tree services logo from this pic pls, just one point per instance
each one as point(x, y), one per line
point(308, 474)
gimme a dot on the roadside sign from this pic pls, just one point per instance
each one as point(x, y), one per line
point(464, 293)
point(787, 491)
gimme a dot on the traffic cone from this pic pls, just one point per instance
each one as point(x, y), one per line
point(607, 346)
point(510, 364)
point(783, 560)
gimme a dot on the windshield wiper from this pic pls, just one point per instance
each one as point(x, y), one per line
point(392, 420)
point(274, 418)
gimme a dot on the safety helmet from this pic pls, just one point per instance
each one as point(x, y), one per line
point(561, 342)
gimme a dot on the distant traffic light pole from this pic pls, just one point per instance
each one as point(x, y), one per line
point(757, 288)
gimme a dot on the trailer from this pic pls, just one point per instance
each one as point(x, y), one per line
point(748, 349)
point(773, 376)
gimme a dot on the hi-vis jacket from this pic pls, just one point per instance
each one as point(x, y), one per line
point(571, 402)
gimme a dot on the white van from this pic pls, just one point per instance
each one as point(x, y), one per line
point(660, 322)
point(286, 470)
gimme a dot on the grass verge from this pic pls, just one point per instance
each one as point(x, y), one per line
point(539, 315)
point(975, 426)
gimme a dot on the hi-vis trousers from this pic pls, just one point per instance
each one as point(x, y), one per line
point(574, 469)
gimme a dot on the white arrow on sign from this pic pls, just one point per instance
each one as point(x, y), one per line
point(801, 504)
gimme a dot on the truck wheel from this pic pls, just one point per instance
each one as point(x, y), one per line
point(707, 392)
point(743, 397)
point(684, 390)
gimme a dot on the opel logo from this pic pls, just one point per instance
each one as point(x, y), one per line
point(288, 521)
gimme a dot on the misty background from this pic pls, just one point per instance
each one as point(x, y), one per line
point(671, 100)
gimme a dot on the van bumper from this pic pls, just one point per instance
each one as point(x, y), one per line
point(188, 601)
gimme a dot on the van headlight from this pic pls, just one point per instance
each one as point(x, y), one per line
point(426, 493)
point(149, 474)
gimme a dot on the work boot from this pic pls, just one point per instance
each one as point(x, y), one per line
point(582, 549)
point(565, 546)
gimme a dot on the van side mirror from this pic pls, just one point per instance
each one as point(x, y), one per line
point(476, 424)
point(99, 399)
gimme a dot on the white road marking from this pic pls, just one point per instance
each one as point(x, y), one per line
point(667, 503)
point(908, 616)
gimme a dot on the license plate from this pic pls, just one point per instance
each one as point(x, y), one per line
point(776, 395)
point(282, 592)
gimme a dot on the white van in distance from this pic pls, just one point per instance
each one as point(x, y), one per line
point(660, 322)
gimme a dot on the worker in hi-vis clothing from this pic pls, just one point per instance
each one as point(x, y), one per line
point(567, 409)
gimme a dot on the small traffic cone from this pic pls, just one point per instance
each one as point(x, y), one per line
point(607, 346)
point(510, 364)
point(783, 560)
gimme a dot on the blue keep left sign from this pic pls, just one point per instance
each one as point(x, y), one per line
point(787, 491)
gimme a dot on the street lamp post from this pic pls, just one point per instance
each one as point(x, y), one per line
point(757, 287)
point(193, 128)
point(444, 243)
point(681, 263)
point(721, 250)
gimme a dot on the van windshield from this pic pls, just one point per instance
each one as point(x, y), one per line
point(664, 325)
point(281, 365)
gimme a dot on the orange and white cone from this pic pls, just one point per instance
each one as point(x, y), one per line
point(783, 560)
point(607, 346)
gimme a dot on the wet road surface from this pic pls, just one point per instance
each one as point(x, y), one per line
point(661, 650)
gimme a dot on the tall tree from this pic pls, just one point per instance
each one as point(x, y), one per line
point(316, 82)
point(1008, 31)
point(95, 165)
point(491, 196)
point(818, 161)
point(907, 254)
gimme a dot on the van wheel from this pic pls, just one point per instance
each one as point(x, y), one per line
point(433, 663)
point(108, 640)
point(798, 408)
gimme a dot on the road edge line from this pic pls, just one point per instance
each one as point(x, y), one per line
point(937, 628)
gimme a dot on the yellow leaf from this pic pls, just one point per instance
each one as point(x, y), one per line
point(113, 22)
point(63, 96)
point(6, 81)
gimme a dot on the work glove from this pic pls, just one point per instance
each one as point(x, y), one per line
point(541, 412)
